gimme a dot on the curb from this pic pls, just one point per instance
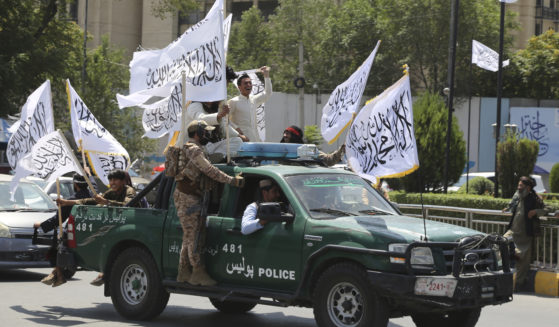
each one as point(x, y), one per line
point(542, 283)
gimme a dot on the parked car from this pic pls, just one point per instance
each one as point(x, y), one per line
point(540, 188)
point(16, 225)
point(66, 188)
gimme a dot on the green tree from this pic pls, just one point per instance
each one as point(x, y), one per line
point(416, 33)
point(38, 43)
point(430, 117)
point(554, 178)
point(515, 158)
point(478, 185)
point(534, 69)
point(249, 43)
point(312, 135)
point(163, 8)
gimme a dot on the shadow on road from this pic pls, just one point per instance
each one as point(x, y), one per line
point(21, 275)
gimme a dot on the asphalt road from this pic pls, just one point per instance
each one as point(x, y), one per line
point(24, 301)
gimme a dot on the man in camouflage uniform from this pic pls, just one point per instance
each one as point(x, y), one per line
point(195, 175)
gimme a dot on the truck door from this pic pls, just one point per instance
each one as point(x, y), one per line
point(269, 258)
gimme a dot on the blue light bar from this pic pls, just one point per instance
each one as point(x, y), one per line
point(277, 151)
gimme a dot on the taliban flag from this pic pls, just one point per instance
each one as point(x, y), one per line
point(102, 150)
point(36, 121)
point(485, 57)
point(381, 141)
point(49, 158)
point(344, 102)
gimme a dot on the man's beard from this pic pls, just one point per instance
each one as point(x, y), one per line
point(523, 193)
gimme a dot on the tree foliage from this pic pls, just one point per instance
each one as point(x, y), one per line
point(515, 158)
point(534, 69)
point(38, 43)
point(430, 119)
point(164, 8)
point(478, 185)
point(554, 178)
point(312, 135)
point(339, 35)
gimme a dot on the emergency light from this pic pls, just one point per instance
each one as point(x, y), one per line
point(278, 151)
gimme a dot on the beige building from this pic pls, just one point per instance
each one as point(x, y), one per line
point(130, 23)
point(534, 17)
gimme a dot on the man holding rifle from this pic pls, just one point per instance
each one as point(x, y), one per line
point(195, 177)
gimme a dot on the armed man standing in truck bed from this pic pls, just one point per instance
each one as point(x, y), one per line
point(195, 176)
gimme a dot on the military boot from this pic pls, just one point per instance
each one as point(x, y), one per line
point(201, 277)
point(184, 273)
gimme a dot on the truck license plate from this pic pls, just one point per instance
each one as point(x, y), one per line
point(435, 286)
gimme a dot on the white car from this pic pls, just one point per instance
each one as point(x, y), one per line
point(491, 176)
point(30, 205)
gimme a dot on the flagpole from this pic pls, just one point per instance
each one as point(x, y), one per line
point(59, 209)
point(182, 135)
point(451, 64)
point(468, 144)
point(499, 94)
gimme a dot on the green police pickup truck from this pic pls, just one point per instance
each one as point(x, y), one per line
point(334, 245)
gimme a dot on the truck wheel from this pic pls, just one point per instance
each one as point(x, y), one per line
point(343, 297)
point(136, 289)
point(233, 307)
point(458, 318)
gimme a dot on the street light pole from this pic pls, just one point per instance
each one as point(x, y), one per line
point(84, 49)
point(499, 94)
point(451, 65)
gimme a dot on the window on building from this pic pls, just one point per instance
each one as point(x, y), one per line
point(538, 29)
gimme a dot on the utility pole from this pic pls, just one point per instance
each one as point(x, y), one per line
point(451, 65)
point(302, 89)
point(84, 50)
point(499, 94)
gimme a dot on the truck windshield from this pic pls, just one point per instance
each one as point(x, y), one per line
point(327, 196)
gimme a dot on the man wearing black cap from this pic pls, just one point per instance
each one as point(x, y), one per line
point(56, 278)
point(195, 176)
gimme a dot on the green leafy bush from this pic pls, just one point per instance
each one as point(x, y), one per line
point(554, 178)
point(478, 185)
point(430, 118)
point(511, 168)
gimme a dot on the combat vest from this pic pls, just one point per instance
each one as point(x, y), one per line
point(189, 178)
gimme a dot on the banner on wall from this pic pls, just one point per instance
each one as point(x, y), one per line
point(540, 124)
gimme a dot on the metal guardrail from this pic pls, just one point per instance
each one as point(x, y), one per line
point(493, 221)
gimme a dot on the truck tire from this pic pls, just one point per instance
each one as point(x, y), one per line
point(343, 297)
point(232, 307)
point(136, 289)
point(458, 318)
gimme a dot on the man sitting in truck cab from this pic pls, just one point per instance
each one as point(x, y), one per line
point(269, 192)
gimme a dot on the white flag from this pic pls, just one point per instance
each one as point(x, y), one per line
point(96, 141)
point(485, 57)
point(36, 121)
point(226, 32)
point(381, 141)
point(199, 52)
point(161, 117)
point(49, 159)
point(257, 88)
point(342, 105)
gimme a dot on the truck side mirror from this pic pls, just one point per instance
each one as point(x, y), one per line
point(271, 212)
